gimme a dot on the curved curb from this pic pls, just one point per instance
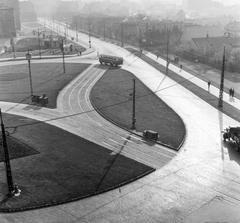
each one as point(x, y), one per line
point(46, 57)
point(126, 129)
point(77, 198)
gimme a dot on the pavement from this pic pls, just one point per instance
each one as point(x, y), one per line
point(235, 102)
point(220, 208)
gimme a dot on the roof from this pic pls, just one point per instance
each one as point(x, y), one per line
point(217, 42)
point(197, 31)
point(233, 26)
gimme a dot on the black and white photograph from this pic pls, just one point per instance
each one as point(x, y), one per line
point(120, 111)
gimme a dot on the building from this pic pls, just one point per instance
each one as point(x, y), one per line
point(7, 24)
point(197, 31)
point(15, 5)
point(232, 29)
point(216, 45)
point(27, 11)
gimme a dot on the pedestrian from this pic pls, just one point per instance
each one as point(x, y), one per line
point(232, 94)
point(180, 67)
point(157, 56)
point(209, 84)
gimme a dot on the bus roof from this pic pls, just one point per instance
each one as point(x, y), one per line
point(105, 55)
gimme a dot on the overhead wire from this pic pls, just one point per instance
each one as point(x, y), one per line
point(84, 112)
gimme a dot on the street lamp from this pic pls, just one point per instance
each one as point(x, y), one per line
point(89, 34)
point(39, 44)
point(220, 100)
point(28, 57)
point(76, 31)
point(62, 49)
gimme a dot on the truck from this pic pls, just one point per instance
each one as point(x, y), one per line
point(233, 134)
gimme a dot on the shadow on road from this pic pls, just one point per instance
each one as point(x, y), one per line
point(233, 154)
point(32, 107)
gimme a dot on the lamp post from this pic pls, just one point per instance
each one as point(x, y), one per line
point(89, 35)
point(133, 109)
point(76, 31)
point(28, 57)
point(122, 33)
point(62, 49)
point(167, 63)
point(7, 159)
point(220, 100)
point(39, 44)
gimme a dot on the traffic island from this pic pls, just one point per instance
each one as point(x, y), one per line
point(61, 168)
point(112, 98)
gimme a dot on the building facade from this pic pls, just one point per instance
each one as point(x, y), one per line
point(15, 5)
point(7, 24)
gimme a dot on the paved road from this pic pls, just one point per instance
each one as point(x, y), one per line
point(201, 184)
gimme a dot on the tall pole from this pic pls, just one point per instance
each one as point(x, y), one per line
point(89, 35)
point(28, 57)
point(64, 70)
point(30, 76)
point(76, 31)
point(7, 159)
point(220, 100)
point(122, 34)
point(104, 31)
point(39, 45)
point(133, 111)
point(140, 41)
point(167, 63)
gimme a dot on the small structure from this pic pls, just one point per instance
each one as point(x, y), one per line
point(16, 191)
point(150, 135)
point(42, 100)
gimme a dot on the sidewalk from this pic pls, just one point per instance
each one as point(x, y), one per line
point(195, 80)
point(195, 85)
point(87, 51)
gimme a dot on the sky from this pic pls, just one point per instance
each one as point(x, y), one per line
point(229, 2)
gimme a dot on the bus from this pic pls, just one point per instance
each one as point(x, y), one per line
point(111, 60)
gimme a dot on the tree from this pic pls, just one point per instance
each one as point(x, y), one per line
point(181, 15)
point(12, 43)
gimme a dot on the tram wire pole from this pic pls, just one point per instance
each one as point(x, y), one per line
point(7, 159)
point(133, 110)
point(220, 100)
point(39, 45)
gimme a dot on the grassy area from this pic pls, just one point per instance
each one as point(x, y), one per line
point(112, 97)
point(29, 41)
point(63, 168)
point(47, 79)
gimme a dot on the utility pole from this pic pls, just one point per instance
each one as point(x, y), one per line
point(76, 31)
point(122, 34)
point(104, 32)
point(167, 63)
point(28, 57)
point(133, 111)
point(39, 45)
point(7, 160)
point(220, 100)
point(140, 41)
point(89, 35)
point(62, 48)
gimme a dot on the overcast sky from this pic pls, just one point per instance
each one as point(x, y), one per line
point(229, 2)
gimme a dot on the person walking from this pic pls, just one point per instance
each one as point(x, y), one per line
point(232, 94)
point(209, 84)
